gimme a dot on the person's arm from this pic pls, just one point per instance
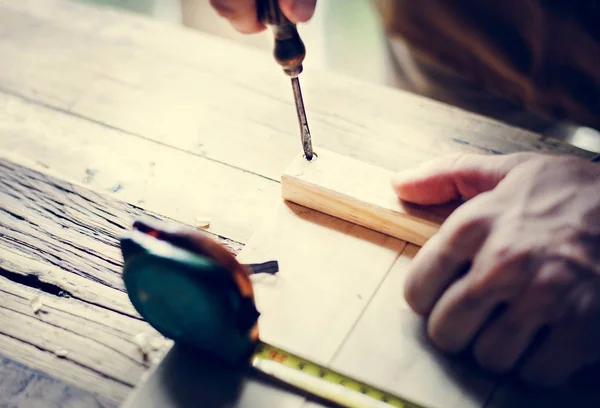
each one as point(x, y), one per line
point(519, 259)
point(242, 13)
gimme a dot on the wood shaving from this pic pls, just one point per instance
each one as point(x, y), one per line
point(202, 222)
point(152, 347)
point(36, 304)
point(142, 340)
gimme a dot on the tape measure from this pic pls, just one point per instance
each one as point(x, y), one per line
point(193, 291)
point(322, 381)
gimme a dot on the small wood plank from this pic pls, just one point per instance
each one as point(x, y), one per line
point(358, 192)
point(59, 253)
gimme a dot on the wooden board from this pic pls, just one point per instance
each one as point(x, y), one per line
point(59, 252)
point(337, 301)
point(357, 192)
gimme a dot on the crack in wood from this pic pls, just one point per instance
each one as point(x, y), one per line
point(93, 339)
point(42, 349)
point(61, 241)
point(33, 281)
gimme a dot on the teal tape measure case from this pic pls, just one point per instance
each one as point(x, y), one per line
point(187, 297)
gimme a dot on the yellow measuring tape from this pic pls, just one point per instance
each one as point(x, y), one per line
point(321, 381)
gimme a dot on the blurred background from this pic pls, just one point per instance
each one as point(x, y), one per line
point(344, 36)
point(339, 31)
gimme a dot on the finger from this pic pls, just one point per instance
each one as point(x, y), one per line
point(298, 11)
point(241, 14)
point(501, 344)
point(454, 177)
point(572, 344)
point(445, 256)
point(468, 303)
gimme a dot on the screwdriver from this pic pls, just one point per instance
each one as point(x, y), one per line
point(289, 52)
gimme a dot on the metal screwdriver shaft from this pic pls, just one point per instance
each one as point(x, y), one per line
point(304, 130)
point(289, 52)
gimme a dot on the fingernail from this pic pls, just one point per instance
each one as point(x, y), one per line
point(304, 9)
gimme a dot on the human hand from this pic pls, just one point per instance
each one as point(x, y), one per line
point(242, 13)
point(526, 242)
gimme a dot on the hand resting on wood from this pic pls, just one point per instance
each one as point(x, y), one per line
point(519, 258)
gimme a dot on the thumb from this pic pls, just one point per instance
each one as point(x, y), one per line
point(450, 178)
point(298, 11)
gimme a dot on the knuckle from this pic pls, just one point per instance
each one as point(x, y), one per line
point(472, 298)
point(511, 325)
point(491, 360)
point(552, 284)
point(465, 229)
point(412, 295)
point(442, 339)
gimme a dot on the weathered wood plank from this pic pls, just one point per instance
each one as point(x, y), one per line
point(21, 386)
point(63, 224)
point(62, 304)
point(71, 340)
point(164, 180)
point(188, 90)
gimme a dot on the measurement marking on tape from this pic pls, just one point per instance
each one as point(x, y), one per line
point(321, 381)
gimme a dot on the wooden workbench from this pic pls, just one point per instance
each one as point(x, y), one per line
point(106, 116)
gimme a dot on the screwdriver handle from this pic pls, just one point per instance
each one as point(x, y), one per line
point(289, 50)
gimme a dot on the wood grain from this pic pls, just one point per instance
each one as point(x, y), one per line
point(139, 84)
point(329, 270)
point(59, 251)
point(336, 301)
point(161, 179)
point(21, 386)
point(357, 192)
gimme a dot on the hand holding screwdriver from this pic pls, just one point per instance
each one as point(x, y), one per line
point(243, 16)
point(289, 50)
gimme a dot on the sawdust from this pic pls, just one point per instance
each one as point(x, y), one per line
point(202, 222)
point(36, 304)
point(142, 340)
point(151, 347)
